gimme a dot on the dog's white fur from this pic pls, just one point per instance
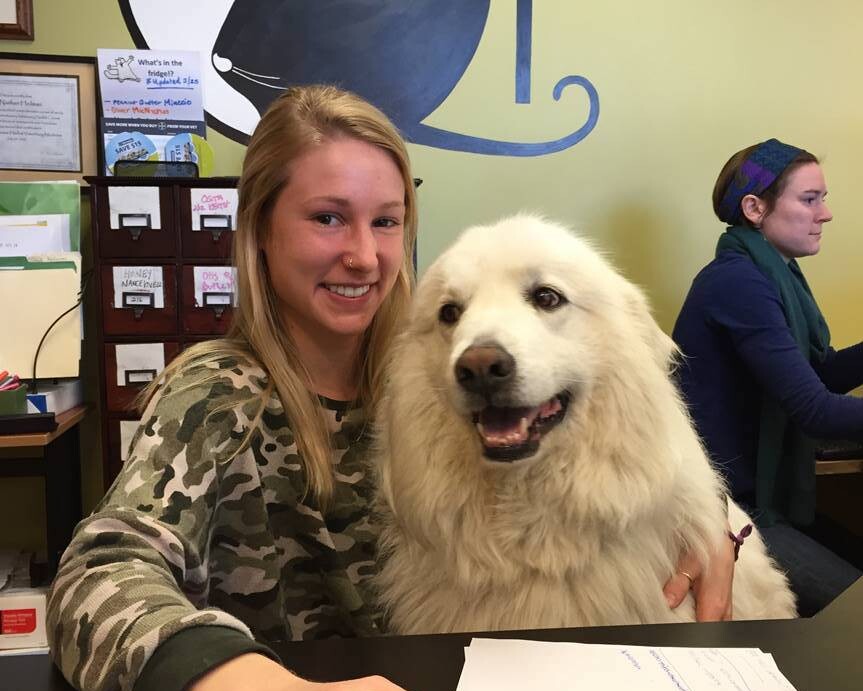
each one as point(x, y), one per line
point(586, 531)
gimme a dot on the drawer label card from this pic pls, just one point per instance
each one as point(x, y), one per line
point(137, 299)
point(213, 283)
point(133, 202)
point(139, 363)
point(213, 208)
point(138, 286)
point(211, 299)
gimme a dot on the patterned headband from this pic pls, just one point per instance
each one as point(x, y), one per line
point(757, 173)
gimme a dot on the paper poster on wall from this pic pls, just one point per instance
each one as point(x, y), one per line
point(149, 97)
point(134, 206)
point(139, 363)
point(138, 286)
point(214, 285)
point(127, 433)
point(214, 209)
point(25, 235)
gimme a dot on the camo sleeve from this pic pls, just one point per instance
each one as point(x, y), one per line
point(136, 571)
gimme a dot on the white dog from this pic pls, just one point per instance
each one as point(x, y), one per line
point(537, 465)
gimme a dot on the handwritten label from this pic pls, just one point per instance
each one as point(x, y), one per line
point(138, 279)
point(213, 202)
point(214, 279)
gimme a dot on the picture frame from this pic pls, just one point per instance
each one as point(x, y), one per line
point(76, 73)
point(20, 12)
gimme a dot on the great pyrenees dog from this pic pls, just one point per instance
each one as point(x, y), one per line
point(537, 466)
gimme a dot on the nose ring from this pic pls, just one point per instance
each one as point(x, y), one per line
point(348, 261)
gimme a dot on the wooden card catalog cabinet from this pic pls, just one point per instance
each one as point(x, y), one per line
point(162, 248)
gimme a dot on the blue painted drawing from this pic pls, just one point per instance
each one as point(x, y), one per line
point(404, 56)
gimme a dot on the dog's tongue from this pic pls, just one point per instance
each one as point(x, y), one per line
point(504, 426)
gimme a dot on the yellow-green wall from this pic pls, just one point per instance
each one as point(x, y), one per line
point(682, 85)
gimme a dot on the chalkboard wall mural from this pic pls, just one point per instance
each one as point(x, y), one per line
point(405, 56)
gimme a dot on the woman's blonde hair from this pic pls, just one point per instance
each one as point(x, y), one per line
point(301, 118)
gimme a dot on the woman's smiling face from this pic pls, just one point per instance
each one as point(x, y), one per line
point(336, 239)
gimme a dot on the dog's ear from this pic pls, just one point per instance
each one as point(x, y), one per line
point(424, 309)
point(661, 346)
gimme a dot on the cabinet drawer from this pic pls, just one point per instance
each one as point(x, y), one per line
point(208, 219)
point(129, 367)
point(208, 299)
point(135, 221)
point(120, 433)
point(139, 300)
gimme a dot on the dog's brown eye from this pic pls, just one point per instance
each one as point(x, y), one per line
point(449, 313)
point(547, 298)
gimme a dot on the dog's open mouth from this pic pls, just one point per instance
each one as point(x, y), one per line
point(510, 434)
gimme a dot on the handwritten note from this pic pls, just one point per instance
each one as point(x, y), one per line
point(214, 209)
point(214, 285)
point(139, 286)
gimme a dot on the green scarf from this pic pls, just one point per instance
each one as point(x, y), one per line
point(785, 466)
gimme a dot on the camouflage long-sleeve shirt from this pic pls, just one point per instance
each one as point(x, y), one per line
point(194, 533)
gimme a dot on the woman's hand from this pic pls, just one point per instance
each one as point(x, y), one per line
point(252, 672)
point(710, 584)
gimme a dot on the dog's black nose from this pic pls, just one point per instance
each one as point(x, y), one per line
point(485, 369)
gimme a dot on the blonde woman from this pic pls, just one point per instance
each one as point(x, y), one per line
point(242, 509)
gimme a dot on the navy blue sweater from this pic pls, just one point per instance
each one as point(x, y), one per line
point(737, 346)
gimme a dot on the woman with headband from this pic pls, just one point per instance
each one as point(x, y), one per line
point(758, 372)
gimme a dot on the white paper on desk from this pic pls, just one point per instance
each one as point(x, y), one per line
point(514, 665)
point(139, 279)
point(127, 432)
point(25, 651)
point(215, 279)
point(138, 201)
point(21, 236)
point(214, 203)
point(137, 357)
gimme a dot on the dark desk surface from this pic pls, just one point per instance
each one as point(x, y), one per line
point(819, 654)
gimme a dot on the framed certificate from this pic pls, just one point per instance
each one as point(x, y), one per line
point(48, 121)
point(16, 19)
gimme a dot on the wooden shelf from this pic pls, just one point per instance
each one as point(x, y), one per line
point(34, 439)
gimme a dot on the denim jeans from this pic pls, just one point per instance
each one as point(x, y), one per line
point(816, 574)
